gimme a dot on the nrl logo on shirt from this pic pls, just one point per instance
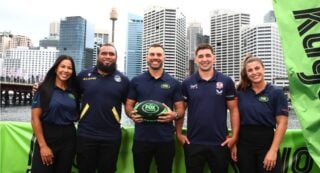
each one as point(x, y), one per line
point(263, 99)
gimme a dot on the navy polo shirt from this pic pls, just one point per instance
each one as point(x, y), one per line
point(62, 107)
point(166, 90)
point(262, 108)
point(207, 107)
point(103, 97)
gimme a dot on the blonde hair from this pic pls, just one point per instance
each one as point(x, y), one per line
point(245, 81)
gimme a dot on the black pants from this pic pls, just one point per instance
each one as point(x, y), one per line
point(144, 152)
point(97, 155)
point(61, 140)
point(254, 143)
point(196, 156)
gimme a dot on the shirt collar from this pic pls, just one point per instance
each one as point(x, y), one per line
point(214, 78)
point(164, 76)
point(265, 90)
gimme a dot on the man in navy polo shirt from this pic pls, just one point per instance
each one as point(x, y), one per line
point(155, 139)
point(103, 89)
point(208, 94)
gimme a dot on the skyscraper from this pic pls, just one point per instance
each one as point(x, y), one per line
point(269, 17)
point(54, 29)
point(100, 37)
point(76, 37)
point(194, 31)
point(133, 56)
point(264, 41)
point(53, 39)
point(166, 26)
point(225, 37)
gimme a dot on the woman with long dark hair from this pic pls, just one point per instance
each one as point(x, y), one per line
point(54, 111)
point(263, 120)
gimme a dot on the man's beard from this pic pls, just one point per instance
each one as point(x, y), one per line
point(109, 68)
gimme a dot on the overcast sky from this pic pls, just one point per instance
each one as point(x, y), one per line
point(32, 17)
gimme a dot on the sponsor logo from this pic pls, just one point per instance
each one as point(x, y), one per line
point(150, 108)
point(165, 86)
point(89, 78)
point(263, 98)
point(70, 95)
point(310, 42)
point(194, 86)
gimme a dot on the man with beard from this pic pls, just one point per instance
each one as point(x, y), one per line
point(155, 139)
point(103, 89)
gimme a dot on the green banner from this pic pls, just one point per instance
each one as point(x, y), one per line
point(299, 26)
point(16, 147)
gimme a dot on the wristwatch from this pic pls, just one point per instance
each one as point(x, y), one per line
point(176, 117)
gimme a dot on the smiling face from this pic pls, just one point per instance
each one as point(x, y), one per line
point(205, 60)
point(155, 58)
point(255, 72)
point(64, 70)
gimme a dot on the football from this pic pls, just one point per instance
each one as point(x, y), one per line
point(150, 110)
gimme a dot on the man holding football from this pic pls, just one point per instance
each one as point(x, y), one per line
point(155, 139)
point(208, 94)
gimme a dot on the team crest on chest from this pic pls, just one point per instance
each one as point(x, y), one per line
point(219, 88)
point(117, 78)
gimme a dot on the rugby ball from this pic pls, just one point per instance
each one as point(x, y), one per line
point(149, 110)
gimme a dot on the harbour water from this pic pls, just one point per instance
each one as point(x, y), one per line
point(23, 114)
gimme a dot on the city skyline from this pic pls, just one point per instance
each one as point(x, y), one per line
point(32, 18)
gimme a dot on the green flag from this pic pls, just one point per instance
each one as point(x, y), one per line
point(299, 26)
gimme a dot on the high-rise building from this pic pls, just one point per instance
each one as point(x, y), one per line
point(5, 38)
point(166, 26)
point(194, 31)
point(76, 37)
point(133, 56)
point(20, 41)
point(100, 37)
point(53, 39)
point(26, 63)
point(269, 17)
point(264, 41)
point(54, 29)
point(225, 38)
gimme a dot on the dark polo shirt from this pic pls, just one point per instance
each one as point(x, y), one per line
point(62, 107)
point(103, 96)
point(207, 108)
point(262, 108)
point(165, 90)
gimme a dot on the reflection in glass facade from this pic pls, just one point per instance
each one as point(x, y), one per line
point(134, 57)
point(75, 36)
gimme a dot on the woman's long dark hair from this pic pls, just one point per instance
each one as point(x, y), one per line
point(46, 87)
point(245, 81)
